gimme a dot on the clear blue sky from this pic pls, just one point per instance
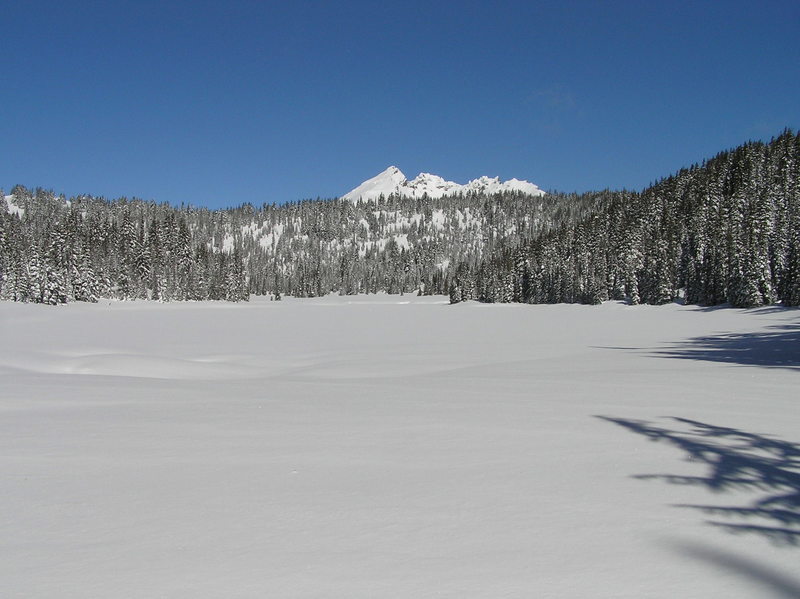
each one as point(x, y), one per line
point(220, 103)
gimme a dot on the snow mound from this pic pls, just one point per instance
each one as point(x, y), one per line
point(135, 365)
point(393, 181)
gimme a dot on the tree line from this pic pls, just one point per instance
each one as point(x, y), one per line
point(725, 231)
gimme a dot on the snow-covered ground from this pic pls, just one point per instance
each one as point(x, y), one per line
point(398, 447)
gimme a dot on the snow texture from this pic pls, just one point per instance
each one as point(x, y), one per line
point(393, 181)
point(13, 208)
point(379, 446)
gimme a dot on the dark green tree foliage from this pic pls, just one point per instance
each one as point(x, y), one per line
point(724, 231)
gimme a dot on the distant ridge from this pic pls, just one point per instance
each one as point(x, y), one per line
point(393, 181)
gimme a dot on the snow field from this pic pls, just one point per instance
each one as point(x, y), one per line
point(384, 446)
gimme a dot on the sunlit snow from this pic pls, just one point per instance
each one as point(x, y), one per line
point(397, 446)
point(393, 181)
point(13, 208)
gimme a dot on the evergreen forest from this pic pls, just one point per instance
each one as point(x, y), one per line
point(726, 231)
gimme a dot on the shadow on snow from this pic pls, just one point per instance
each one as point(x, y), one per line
point(775, 581)
point(776, 347)
point(736, 460)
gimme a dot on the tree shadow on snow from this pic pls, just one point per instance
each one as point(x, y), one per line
point(776, 347)
point(762, 310)
point(776, 581)
point(736, 460)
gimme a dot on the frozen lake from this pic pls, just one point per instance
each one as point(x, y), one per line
point(378, 446)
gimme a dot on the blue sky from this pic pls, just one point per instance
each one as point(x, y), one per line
point(221, 103)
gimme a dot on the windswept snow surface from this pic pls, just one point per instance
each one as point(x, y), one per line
point(393, 181)
point(398, 447)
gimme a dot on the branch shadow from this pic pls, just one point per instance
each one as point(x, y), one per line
point(737, 460)
point(769, 309)
point(776, 347)
point(774, 580)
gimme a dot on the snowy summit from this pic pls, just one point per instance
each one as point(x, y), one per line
point(392, 180)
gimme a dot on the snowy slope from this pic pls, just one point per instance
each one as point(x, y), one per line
point(397, 447)
point(392, 180)
point(13, 208)
point(381, 184)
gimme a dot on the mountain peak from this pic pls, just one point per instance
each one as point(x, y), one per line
point(393, 181)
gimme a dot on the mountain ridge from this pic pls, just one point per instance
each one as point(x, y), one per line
point(393, 181)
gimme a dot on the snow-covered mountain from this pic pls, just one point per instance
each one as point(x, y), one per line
point(392, 180)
